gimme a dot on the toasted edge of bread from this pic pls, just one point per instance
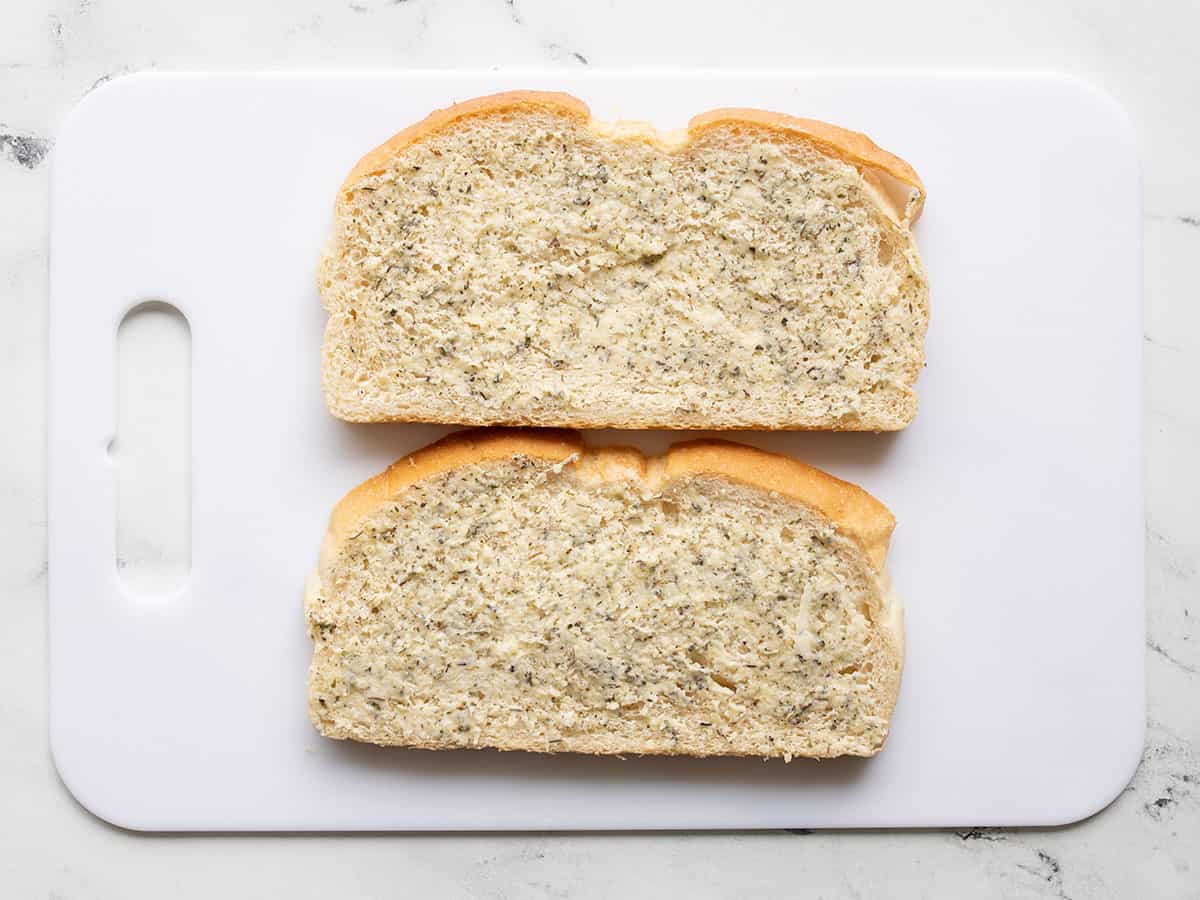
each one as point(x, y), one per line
point(852, 510)
point(895, 182)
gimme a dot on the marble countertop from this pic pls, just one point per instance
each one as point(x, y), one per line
point(1145, 844)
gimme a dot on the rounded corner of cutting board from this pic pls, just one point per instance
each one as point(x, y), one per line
point(92, 107)
point(79, 788)
point(1105, 790)
point(1111, 115)
point(1104, 101)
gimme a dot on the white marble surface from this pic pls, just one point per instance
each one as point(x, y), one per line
point(1145, 844)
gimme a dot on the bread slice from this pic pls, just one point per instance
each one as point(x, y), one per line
point(516, 590)
point(510, 261)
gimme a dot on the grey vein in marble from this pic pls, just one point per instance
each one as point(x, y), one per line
point(556, 49)
point(1158, 648)
point(980, 834)
point(27, 150)
point(1049, 870)
point(1192, 221)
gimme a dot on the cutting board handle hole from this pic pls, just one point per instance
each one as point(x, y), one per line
point(151, 454)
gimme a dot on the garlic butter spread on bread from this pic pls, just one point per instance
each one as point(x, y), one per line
point(515, 589)
point(509, 260)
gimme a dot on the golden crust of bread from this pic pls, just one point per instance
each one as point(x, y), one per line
point(852, 510)
point(855, 512)
point(852, 146)
point(459, 449)
point(877, 165)
point(375, 161)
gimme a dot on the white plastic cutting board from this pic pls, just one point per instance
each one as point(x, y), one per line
point(1017, 490)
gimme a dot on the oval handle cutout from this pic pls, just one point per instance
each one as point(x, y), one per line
point(152, 451)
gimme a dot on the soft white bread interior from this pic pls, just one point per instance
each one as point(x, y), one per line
point(511, 261)
point(514, 589)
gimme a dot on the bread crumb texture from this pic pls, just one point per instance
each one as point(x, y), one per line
point(520, 266)
point(524, 604)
